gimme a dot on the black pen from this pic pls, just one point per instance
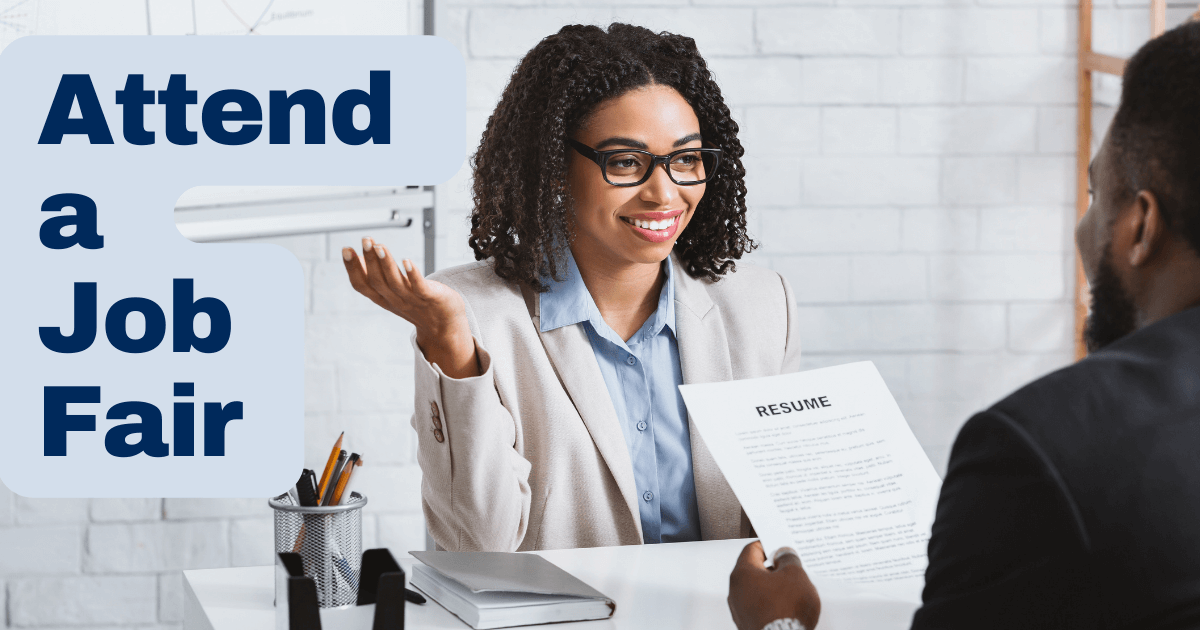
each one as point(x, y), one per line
point(413, 596)
point(306, 490)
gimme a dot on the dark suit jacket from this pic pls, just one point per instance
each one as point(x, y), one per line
point(1075, 502)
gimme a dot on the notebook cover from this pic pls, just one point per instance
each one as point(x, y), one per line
point(482, 571)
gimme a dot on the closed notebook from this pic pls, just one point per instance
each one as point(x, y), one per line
point(498, 590)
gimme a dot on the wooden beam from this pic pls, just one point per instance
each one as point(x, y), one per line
point(1158, 18)
point(1083, 156)
point(1096, 62)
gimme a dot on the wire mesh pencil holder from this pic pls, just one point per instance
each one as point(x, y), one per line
point(329, 541)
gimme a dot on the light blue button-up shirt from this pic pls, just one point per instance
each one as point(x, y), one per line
point(642, 376)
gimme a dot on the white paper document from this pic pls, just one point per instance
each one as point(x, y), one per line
point(823, 462)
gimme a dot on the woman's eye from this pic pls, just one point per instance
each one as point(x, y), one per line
point(624, 161)
point(684, 162)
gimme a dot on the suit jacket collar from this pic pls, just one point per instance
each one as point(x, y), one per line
point(570, 353)
point(690, 293)
point(704, 358)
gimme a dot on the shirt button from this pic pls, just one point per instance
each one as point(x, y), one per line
point(642, 425)
point(648, 496)
point(631, 360)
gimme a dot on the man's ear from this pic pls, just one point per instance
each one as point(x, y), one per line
point(1147, 226)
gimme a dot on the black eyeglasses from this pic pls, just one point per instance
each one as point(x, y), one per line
point(631, 167)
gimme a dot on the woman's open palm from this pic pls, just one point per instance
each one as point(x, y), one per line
point(437, 311)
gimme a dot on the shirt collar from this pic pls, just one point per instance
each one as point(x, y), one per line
point(569, 302)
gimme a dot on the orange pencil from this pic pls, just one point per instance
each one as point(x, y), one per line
point(355, 460)
point(337, 449)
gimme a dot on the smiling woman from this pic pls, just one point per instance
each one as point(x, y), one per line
point(609, 210)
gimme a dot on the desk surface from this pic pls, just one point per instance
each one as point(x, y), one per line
point(681, 585)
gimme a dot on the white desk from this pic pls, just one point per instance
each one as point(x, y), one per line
point(680, 585)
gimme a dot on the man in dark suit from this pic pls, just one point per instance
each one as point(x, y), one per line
point(1075, 502)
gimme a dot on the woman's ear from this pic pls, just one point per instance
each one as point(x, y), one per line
point(1148, 227)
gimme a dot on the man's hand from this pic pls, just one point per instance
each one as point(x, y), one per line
point(758, 596)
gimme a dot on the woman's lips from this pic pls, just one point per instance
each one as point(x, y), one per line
point(651, 235)
point(655, 216)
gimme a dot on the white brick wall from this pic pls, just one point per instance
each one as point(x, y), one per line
point(921, 80)
point(858, 131)
point(964, 31)
point(826, 31)
point(81, 600)
point(958, 130)
point(909, 170)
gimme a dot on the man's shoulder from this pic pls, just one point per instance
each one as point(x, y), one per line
point(1083, 416)
point(1107, 443)
point(1079, 399)
point(1155, 369)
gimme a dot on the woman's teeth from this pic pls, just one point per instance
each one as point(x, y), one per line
point(651, 225)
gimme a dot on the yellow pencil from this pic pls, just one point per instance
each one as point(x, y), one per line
point(355, 460)
point(333, 456)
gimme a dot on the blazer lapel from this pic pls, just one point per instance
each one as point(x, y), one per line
point(704, 358)
point(571, 354)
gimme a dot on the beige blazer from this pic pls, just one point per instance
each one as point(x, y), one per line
point(530, 455)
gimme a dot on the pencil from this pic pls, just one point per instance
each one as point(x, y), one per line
point(337, 448)
point(300, 538)
point(355, 460)
point(327, 498)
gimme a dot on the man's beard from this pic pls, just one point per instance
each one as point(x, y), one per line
point(1113, 313)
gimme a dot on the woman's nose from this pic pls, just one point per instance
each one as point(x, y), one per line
point(659, 189)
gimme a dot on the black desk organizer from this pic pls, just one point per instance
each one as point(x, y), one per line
point(381, 582)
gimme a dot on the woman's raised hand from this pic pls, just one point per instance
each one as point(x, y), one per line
point(437, 311)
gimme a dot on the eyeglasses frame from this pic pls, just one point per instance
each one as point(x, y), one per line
point(601, 157)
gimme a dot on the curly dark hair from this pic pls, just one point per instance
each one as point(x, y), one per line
point(522, 204)
point(1155, 132)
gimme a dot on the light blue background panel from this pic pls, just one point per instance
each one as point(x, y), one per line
point(135, 189)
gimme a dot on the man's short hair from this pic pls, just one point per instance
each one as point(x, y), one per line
point(1156, 131)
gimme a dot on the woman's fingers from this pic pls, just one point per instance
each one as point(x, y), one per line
point(358, 277)
point(384, 277)
point(391, 274)
point(419, 286)
point(374, 267)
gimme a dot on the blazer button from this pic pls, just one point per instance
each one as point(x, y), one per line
point(437, 435)
point(437, 419)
